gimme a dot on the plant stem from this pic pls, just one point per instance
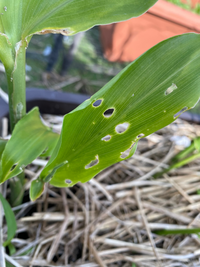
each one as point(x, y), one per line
point(2, 258)
point(17, 87)
point(16, 76)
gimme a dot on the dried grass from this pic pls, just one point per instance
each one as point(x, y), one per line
point(110, 221)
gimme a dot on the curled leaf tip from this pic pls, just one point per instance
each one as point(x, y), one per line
point(36, 190)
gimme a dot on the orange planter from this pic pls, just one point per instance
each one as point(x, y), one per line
point(125, 41)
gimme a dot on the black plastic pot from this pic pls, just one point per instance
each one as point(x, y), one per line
point(49, 102)
point(59, 103)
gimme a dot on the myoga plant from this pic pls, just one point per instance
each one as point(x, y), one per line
point(147, 95)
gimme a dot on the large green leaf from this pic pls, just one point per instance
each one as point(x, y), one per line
point(145, 97)
point(30, 139)
point(20, 19)
point(10, 219)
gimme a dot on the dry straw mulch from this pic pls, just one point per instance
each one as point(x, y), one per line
point(110, 221)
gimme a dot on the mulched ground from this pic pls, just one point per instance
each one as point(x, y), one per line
point(112, 219)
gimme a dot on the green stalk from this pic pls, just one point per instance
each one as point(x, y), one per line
point(17, 107)
point(17, 87)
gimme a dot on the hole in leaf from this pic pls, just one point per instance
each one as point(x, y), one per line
point(121, 128)
point(93, 162)
point(180, 112)
point(97, 103)
point(126, 153)
point(13, 167)
point(109, 112)
point(140, 135)
point(68, 181)
point(133, 94)
point(171, 89)
point(45, 150)
point(106, 138)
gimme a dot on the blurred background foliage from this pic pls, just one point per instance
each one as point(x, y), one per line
point(187, 5)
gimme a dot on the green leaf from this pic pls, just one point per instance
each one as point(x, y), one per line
point(10, 220)
point(37, 188)
point(183, 231)
point(184, 153)
point(197, 144)
point(2, 146)
point(22, 18)
point(29, 139)
point(145, 96)
point(12, 249)
point(6, 50)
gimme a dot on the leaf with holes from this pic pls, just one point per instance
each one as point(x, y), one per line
point(30, 139)
point(141, 99)
point(20, 19)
